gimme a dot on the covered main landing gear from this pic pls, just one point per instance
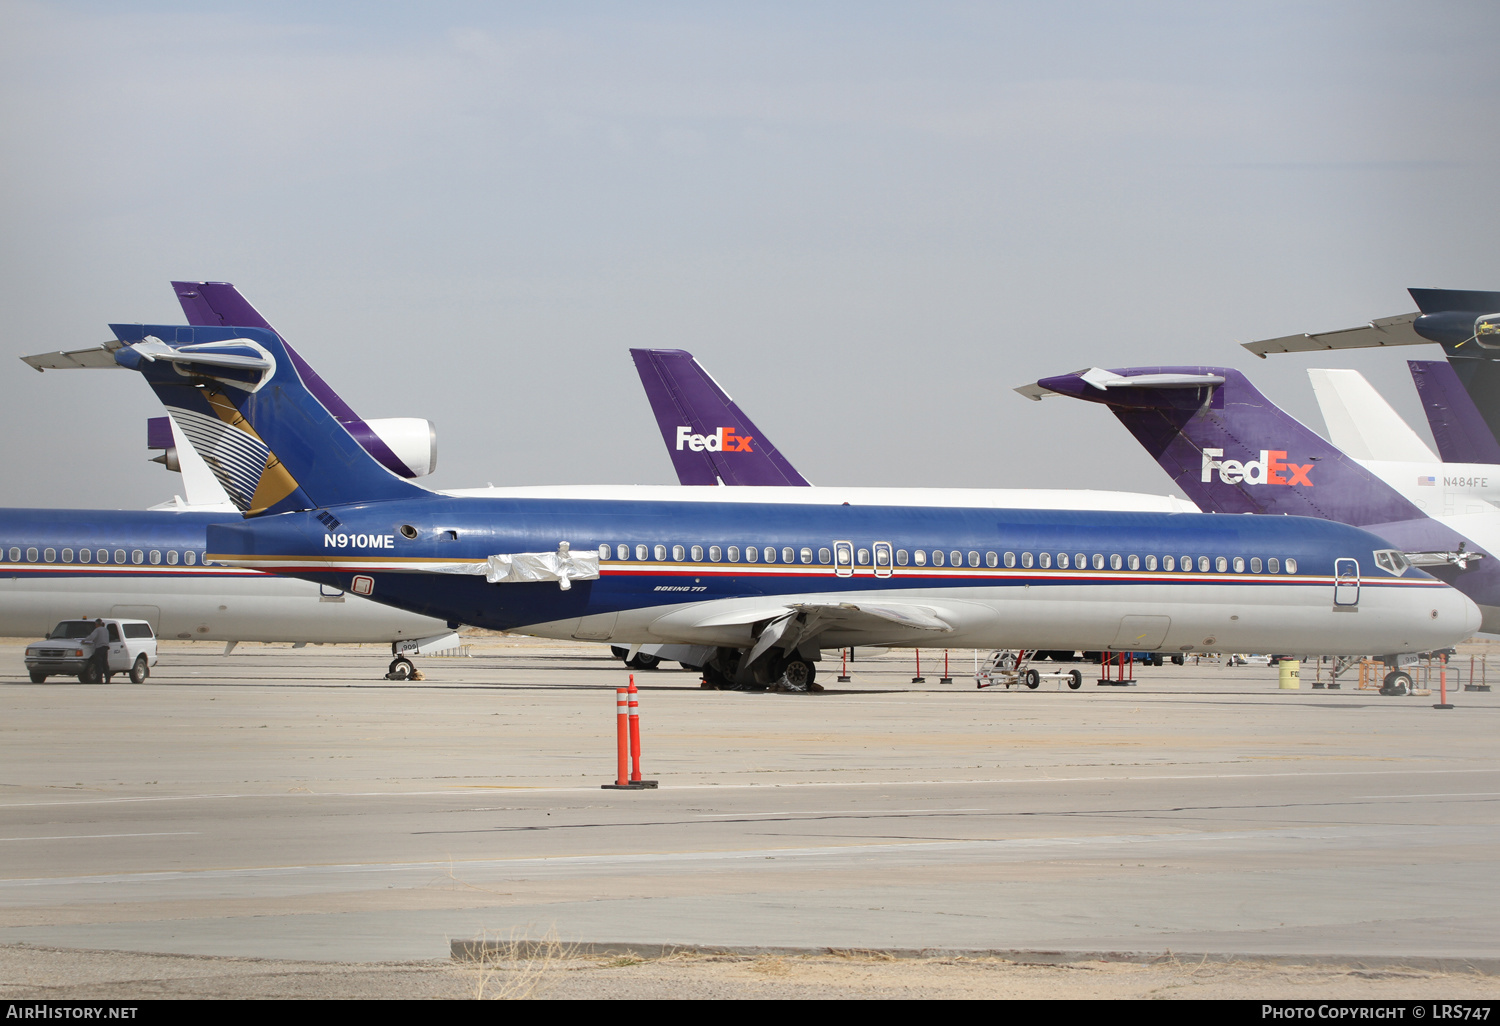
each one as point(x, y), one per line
point(402, 668)
point(797, 672)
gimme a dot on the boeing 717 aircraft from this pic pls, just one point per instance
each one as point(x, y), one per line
point(766, 585)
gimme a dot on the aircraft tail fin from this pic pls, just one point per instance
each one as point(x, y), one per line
point(219, 304)
point(240, 399)
point(1231, 449)
point(1459, 429)
point(708, 437)
point(1361, 422)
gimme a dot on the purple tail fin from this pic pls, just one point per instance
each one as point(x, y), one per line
point(1231, 449)
point(1461, 434)
point(218, 303)
point(707, 436)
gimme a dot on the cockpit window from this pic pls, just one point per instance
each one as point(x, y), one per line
point(1391, 561)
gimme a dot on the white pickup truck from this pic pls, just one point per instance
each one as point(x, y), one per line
point(67, 652)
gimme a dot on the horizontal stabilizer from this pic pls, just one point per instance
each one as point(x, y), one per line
point(1383, 331)
point(92, 358)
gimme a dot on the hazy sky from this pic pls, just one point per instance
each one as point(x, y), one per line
point(869, 220)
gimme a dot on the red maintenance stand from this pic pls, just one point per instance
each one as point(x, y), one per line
point(628, 742)
point(1124, 667)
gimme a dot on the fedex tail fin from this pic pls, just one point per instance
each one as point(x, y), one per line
point(268, 437)
point(1230, 448)
point(1461, 434)
point(219, 304)
point(709, 439)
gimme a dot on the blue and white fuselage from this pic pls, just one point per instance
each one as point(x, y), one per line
point(851, 575)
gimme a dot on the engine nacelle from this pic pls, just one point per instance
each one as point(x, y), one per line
point(412, 439)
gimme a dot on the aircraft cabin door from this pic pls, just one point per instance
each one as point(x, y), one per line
point(882, 559)
point(843, 559)
point(1346, 582)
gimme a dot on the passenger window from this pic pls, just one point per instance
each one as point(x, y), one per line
point(919, 557)
point(697, 553)
point(1010, 559)
point(622, 551)
point(1044, 560)
point(678, 553)
point(752, 554)
point(1186, 563)
point(1081, 561)
point(805, 556)
point(715, 553)
point(1026, 560)
point(1150, 562)
point(1291, 565)
point(901, 557)
point(31, 555)
point(1239, 564)
point(1273, 565)
point(641, 552)
point(1133, 562)
point(67, 555)
point(15, 554)
point(156, 557)
point(770, 554)
point(973, 559)
point(1062, 560)
point(1098, 561)
point(189, 557)
point(1203, 564)
point(1255, 564)
point(937, 557)
point(825, 556)
point(1220, 564)
point(734, 553)
point(137, 556)
point(882, 555)
point(956, 558)
point(84, 555)
point(862, 557)
point(788, 555)
point(660, 552)
point(1169, 562)
point(172, 555)
point(991, 559)
point(604, 551)
point(1114, 561)
point(50, 556)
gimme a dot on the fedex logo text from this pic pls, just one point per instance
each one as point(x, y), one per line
point(722, 440)
point(359, 541)
point(1271, 468)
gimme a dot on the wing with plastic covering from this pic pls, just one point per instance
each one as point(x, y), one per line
point(848, 615)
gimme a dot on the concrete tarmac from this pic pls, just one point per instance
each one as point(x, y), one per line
point(285, 803)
